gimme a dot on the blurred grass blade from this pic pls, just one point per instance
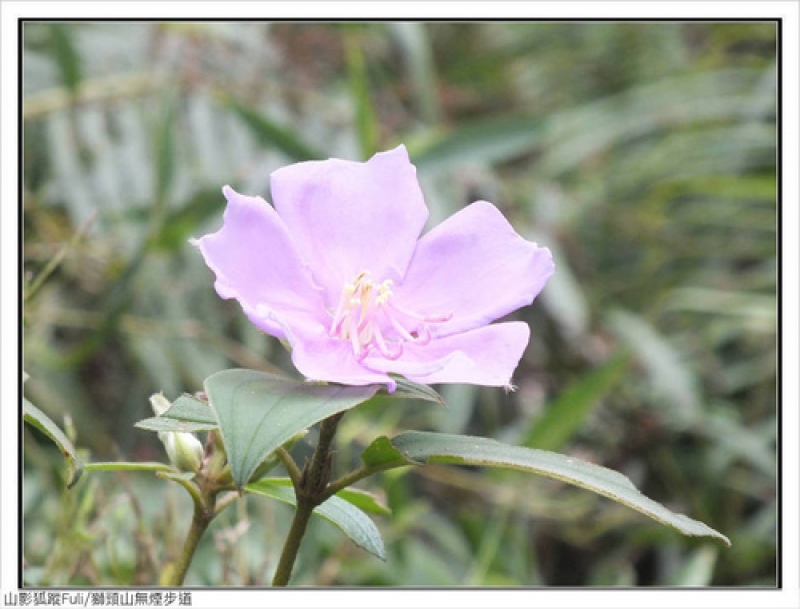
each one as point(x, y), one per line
point(348, 518)
point(564, 297)
point(273, 136)
point(566, 414)
point(670, 377)
point(485, 142)
point(699, 569)
point(183, 223)
point(43, 423)
point(366, 120)
point(66, 55)
point(56, 260)
point(416, 46)
point(166, 161)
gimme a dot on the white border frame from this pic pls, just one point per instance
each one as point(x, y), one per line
point(788, 596)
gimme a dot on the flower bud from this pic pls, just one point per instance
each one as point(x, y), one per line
point(184, 450)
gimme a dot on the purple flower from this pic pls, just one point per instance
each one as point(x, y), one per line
point(338, 270)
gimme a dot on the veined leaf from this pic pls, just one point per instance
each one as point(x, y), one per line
point(43, 423)
point(259, 412)
point(187, 413)
point(352, 521)
point(416, 447)
point(361, 499)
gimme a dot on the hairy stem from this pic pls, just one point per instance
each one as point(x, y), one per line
point(290, 465)
point(292, 544)
point(347, 480)
point(203, 515)
point(309, 489)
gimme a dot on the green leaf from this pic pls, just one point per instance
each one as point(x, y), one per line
point(352, 521)
point(259, 412)
point(427, 447)
point(415, 391)
point(187, 413)
point(381, 455)
point(43, 423)
point(164, 423)
point(363, 500)
point(565, 415)
point(190, 408)
point(485, 142)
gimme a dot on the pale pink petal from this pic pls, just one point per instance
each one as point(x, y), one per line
point(475, 268)
point(256, 263)
point(320, 357)
point(484, 356)
point(348, 217)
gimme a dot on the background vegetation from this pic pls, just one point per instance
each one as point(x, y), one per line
point(642, 154)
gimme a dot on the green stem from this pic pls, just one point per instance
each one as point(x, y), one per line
point(319, 472)
point(309, 490)
point(348, 480)
point(225, 502)
point(292, 544)
point(203, 515)
point(190, 487)
point(291, 467)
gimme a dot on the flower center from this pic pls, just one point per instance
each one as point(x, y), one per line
point(367, 317)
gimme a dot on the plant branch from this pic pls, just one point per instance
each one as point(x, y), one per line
point(225, 502)
point(191, 488)
point(203, 515)
point(292, 544)
point(290, 465)
point(309, 492)
point(348, 480)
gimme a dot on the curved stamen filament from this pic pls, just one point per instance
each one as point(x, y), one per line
point(365, 313)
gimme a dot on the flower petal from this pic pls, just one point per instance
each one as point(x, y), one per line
point(347, 217)
point(485, 356)
point(475, 268)
point(321, 357)
point(256, 263)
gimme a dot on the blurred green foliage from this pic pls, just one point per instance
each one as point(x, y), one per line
point(642, 154)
